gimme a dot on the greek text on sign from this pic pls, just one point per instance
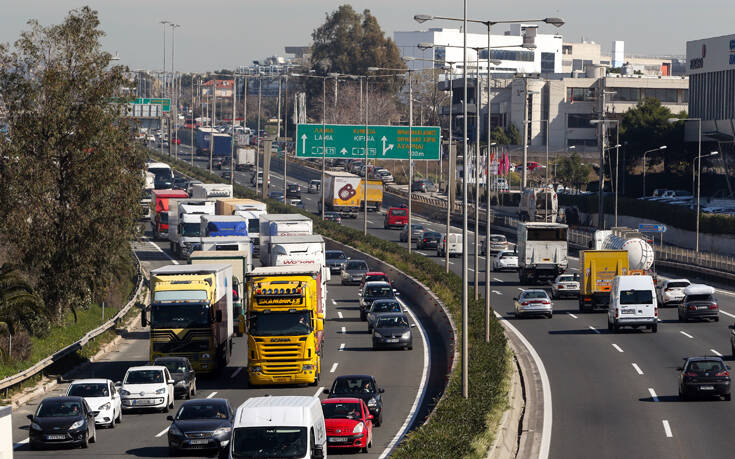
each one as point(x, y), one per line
point(651, 228)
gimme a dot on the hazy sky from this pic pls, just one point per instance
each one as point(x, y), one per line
point(218, 34)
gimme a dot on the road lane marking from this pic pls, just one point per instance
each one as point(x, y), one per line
point(342, 347)
point(498, 280)
point(334, 367)
point(319, 391)
point(236, 372)
point(715, 353)
point(519, 288)
point(654, 397)
point(573, 316)
point(667, 429)
point(727, 314)
point(497, 292)
point(339, 314)
point(174, 261)
point(617, 348)
point(686, 334)
point(212, 395)
point(344, 330)
point(471, 270)
point(334, 302)
point(162, 433)
point(594, 329)
point(20, 443)
point(637, 369)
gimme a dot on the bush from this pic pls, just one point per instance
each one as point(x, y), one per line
point(21, 344)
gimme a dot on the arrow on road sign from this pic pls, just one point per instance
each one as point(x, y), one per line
point(303, 142)
point(343, 151)
point(390, 146)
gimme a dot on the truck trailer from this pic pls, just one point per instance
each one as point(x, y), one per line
point(598, 269)
point(282, 225)
point(542, 251)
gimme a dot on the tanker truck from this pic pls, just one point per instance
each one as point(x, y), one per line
point(640, 252)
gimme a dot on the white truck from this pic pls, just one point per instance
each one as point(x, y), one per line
point(148, 187)
point(211, 191)
point(245, 159)
point(239, 243)
point(184, 224)
point(538, 205)
point(223, 225)
point(542, 251)
point(282, 225)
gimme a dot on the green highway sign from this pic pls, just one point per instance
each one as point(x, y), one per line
point(165, 103)
point(384, 142)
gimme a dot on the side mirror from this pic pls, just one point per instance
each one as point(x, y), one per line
point(118, 383)
point(169, 418)
point(381, 390)
point(143, 318)
point(218, 316)
point(30, 416)
point(515, 298)
point(170, 381)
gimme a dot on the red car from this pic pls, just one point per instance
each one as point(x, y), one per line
point(374, 276)
point(396, 217)
point(532, 165)
point(349, 423)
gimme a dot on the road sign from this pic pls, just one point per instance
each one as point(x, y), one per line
point(651, 228)
point(143, 110)
point(384, 142)
point(165, 103)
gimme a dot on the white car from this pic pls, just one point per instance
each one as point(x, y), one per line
point(100, 395)
point(147, 387)
point(385, 175)
point(533, 302)
point(565, 285)
point(672, 291)
point(505, 260)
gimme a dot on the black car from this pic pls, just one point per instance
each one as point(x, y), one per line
point(62, 421)
point(334, 259)
point(333, 217)
point(380, 307)
point(392, 330)
point(428, 240)
point(277, 195)
point(185, 380)
point(293, 190)
point(360, 386)
point(699, 303)
point(200, 424)
point(704, 376)
point(372, 292)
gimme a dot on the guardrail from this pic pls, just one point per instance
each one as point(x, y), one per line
point(39, 366)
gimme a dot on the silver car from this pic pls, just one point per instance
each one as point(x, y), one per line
point(565, 285)
point(416, 232)
point(534, 302)
point(352, 271)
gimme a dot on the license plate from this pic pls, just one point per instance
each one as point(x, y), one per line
point(199, 442)
point(391, 340)
point(338, 439)
point(143, 402)
point(701, 307)
point(55, 437)
point(628, 311)
point(706, 387)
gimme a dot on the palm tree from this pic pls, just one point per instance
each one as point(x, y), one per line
point(20, 305)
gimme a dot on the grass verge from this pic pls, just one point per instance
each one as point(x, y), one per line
point(457, 427)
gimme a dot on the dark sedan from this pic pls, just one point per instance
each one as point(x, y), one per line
point(699, 303)
point(334, 259)
point(277, 195)
point(293, 190)
point(200, 424)
point(360, 386)
point(380, 307)
point(708, 376)
point(392, 330)
point(373, 291)
point(185, 380)
point(62, 421)
point(333, 217)
point(428, 240)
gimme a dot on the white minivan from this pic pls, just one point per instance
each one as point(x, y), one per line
point(454, 244)
point(632, 303)
point(282, 426)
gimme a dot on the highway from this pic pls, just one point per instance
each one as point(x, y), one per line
point(347, 351)
point(613, 395)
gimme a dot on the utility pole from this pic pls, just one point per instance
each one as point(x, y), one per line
point(232, 136)
point(257, 146)
point(476, 264)
point(524, 162)
point(603, 135)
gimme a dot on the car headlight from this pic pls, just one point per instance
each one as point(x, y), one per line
point(124, 392)
point(406, 335)
point(181, 383)
point(372, 402)
point(77, 424)
point(206, 356)
point(106, 406)
point(161, 391)
point(358, 428)
point(173, 430)
point(308, 367)
point(222, 431)
point(35, 426)
point(377, 335)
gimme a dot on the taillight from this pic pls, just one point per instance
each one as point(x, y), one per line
point(546, 302)
point(655, 311)
point(425, 240)
point(617, 313)
point(690, 374)
point(723, 373)
point(588, 300)
point(692, 308)
point(713, 306)
point(561, 287)
point(525, 303)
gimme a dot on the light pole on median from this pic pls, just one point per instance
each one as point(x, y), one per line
point(616, 147)
point(174, 95)
point(662, 147)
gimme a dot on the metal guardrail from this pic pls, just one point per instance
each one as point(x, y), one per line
point(42, 364)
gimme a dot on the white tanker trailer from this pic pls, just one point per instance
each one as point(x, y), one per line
point(640, 252)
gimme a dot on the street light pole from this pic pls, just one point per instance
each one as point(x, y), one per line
point(410, 159)
point(451, 187)
point(257, 134)
point(324, 138)
point(465, 285)
point(476, 264)
point(662, 147)
point(174, 96)
point(699, 187)
point(367, 133)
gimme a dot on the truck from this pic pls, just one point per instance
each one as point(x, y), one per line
point(374, 194)
point(148, 187)
point(223, 225)
point(191, 314)
point(219, 243)
point(542, 251)
point(159, 210)
point(211, 190)
point(284, 325)
point(250, 209)
point(184, 220)
point(242, 263)
point(245, 158)
point(341, 193)
point(598, 269)
point(640, 253)
point(538, 205)
point(281, 225)
point(221, 146)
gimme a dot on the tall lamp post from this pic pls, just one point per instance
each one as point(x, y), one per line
point(603, 122)
point(662, 147)
point(699, 189)
point(174, 95)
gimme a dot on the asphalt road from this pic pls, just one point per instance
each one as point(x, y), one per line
point(347, 351)
point(613, 395)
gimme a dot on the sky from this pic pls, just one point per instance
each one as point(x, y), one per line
point(216, 34)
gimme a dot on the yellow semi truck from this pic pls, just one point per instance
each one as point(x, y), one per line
point(285, 325)
point(599, 268)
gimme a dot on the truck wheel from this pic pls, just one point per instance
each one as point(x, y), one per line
point(654, 327)
point(609, 326)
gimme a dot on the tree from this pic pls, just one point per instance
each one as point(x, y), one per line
point(645, 127)
point(571, 172)
point(514, 137)
point(19, 304)
point(70, 172)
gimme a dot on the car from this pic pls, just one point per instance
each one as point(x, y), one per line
point(533, 165)
point(671, 291)
point(423, 186)
point(348, 422)
point(505, 260)
point(699, 303)
point(704, 376)
point(314, 186)
point(296, 202)
point(392, 330)
point(260, 179)
point(385, 175)
point(379, 307)
point(180, 369)
point(352, 271)
point(373, 276)
point(179, 183)
point(453, 246)
point(200, 424)
point(334, 259)
point(498, 242)
point(293, 190)
point(101, 396)
point(371, 292)
point(62, 421)
point(428, 240)
point(277, 195)
point(360, 386)
point(565, 285)
point(332, 217)
point(416, 232)
point(395, 217)
point(148, 386)
point(533, 302)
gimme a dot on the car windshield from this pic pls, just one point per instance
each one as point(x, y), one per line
point(179, 315)
point(704, 366)
point(566, 279)
point(508, 255)
point(89, 390)
point(399, 212)
point(432, 235)
point(205, 410)
point(386, 306)
point(534, 295)
point(636, 297)
point(342, 410)
point(144, 377)
point(59, 409)
point(497, 238)
point(280, 323)
point(677, 284)
point(174, 366)
point(416, 228)
point(269, 442)
point(332, 255)
point(190, 229)
point(353, 386)
point(703, 298)
point(357, 266)
point(382, 291)
point(392, 322)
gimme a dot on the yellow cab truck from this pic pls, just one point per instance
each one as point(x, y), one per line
point(191, 314)
point(285, 325)
point(599, 268)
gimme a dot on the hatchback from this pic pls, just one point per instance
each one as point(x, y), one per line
point(416, 232)
point(62, 421)
point(392, 330)
point(185, 380)
point(101, 396)
point(200, 424)
point(352, 271)
point(671, 291)
point(293, 190)
point(348, 422)
point(699, 303)
point(361, 386)
point(428, 240)
point(704, 376)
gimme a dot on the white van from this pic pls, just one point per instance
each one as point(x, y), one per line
point(633, 303)
point(284, 426)
point(455, 245)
